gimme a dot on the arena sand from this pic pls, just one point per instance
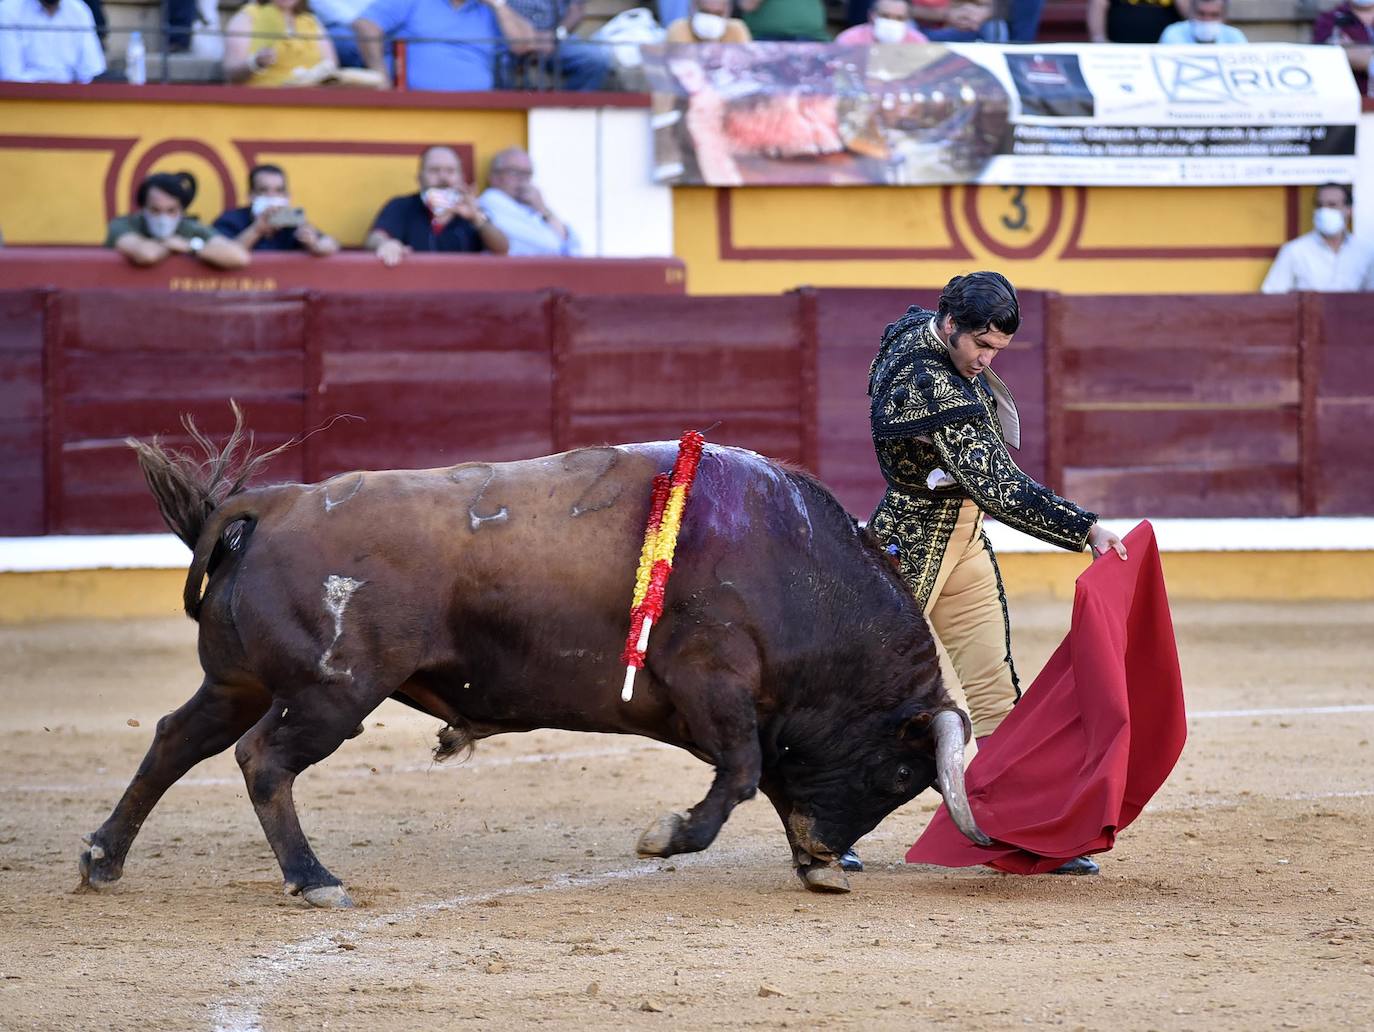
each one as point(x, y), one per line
point(505, 893)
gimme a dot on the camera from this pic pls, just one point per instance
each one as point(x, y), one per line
point(285, 217)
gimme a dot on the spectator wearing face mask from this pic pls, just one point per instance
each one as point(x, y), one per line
point(161, 228)
point(709, 22)
point(889, 21)
point(1327, 259)
point(48, 42)
point(443, 216)
point(1206, 25)
point(1351, 27)
point(269, 222)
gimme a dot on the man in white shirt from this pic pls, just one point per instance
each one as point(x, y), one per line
point(517, 208)
point(1206, 23)
point(48, 41)
point(1327, 259)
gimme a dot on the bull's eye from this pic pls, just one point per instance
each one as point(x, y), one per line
point(904, 775)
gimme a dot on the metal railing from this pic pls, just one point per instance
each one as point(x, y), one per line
point(511, 65)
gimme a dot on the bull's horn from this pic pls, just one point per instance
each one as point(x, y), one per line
point(949, 768)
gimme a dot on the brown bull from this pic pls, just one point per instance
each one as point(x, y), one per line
point(495, 597)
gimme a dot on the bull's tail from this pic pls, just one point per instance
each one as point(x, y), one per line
point(190, 489)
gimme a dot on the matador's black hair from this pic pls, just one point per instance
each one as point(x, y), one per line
point(981, 301)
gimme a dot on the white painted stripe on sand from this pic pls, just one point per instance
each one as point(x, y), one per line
point(263, 974)
point(1280, 711)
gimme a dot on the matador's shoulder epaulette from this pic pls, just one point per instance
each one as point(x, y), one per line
point(912, 387)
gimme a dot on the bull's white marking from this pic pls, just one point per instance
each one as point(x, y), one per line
point(347, 492)
point(499, 516)
point(265, 974)
point(337, 591)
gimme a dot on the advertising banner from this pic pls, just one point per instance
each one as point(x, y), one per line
point(1062, 114)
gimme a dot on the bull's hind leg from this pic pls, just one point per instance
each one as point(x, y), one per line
point(209, 722)
point(719, 714)
point(293, 735)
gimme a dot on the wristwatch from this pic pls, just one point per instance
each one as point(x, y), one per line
point(196, 244)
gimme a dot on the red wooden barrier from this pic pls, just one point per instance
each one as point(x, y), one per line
point(21, 412)
point(1343, 413)
point(1189, 401)
point(1185, 406)
point(633, 369)
point(436, 378)
point(76, 268)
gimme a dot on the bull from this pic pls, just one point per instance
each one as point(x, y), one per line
point(494, 596)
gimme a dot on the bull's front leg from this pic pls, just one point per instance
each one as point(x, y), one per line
point(737, 778)
point(718, 709)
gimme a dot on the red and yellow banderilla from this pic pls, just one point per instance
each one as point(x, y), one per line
point(656, 556)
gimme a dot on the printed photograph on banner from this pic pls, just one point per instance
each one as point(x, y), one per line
point(1051, 85)
point(732, 115)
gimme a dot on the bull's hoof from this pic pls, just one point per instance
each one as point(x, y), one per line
point(657, 840)
point(97, 870)
point(328, 897)
point(823, 878)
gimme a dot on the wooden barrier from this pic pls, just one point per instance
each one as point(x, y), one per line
point(1178, 406)
point(77, 268)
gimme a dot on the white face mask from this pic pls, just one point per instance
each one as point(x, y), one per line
point(889, 30)
point(439, 200)
point(708, 26)
point(1328, 221)
point(161, 226)
point(262, 203)
point(1206, 31)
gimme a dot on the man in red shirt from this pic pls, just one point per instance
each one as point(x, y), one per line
point(1351, 26)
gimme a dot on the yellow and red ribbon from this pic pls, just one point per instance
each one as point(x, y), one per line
point(656, 556)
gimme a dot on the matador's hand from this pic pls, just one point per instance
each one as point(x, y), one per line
point(1100, 539)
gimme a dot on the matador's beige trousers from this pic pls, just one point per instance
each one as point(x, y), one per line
point(970, 628)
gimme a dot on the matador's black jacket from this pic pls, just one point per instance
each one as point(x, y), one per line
point(940, 440)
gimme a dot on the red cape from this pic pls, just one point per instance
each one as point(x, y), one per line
point(1091, 740)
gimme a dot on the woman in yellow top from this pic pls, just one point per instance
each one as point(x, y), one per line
point(275, 43)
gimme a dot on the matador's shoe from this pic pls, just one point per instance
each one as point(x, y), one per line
point(851, 862)
point(1078, 865)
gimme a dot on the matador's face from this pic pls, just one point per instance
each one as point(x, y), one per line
point(972, 351)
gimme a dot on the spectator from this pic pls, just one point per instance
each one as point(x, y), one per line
point(798, 20)
point(1350, 26)
point(1129, 21)
point(337, 17)
point(271, 42)
point(965, 21)
point(517, 209)
point(889, 21)
point(1327, 259)
point(1207, 25)
point(708, 21)
point(161, 227)
point(270, 223)
point(582, 64)
point(463, 39)
point(443, 216)
point(42, 41)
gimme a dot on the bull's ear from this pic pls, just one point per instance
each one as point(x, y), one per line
point(917, 727)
